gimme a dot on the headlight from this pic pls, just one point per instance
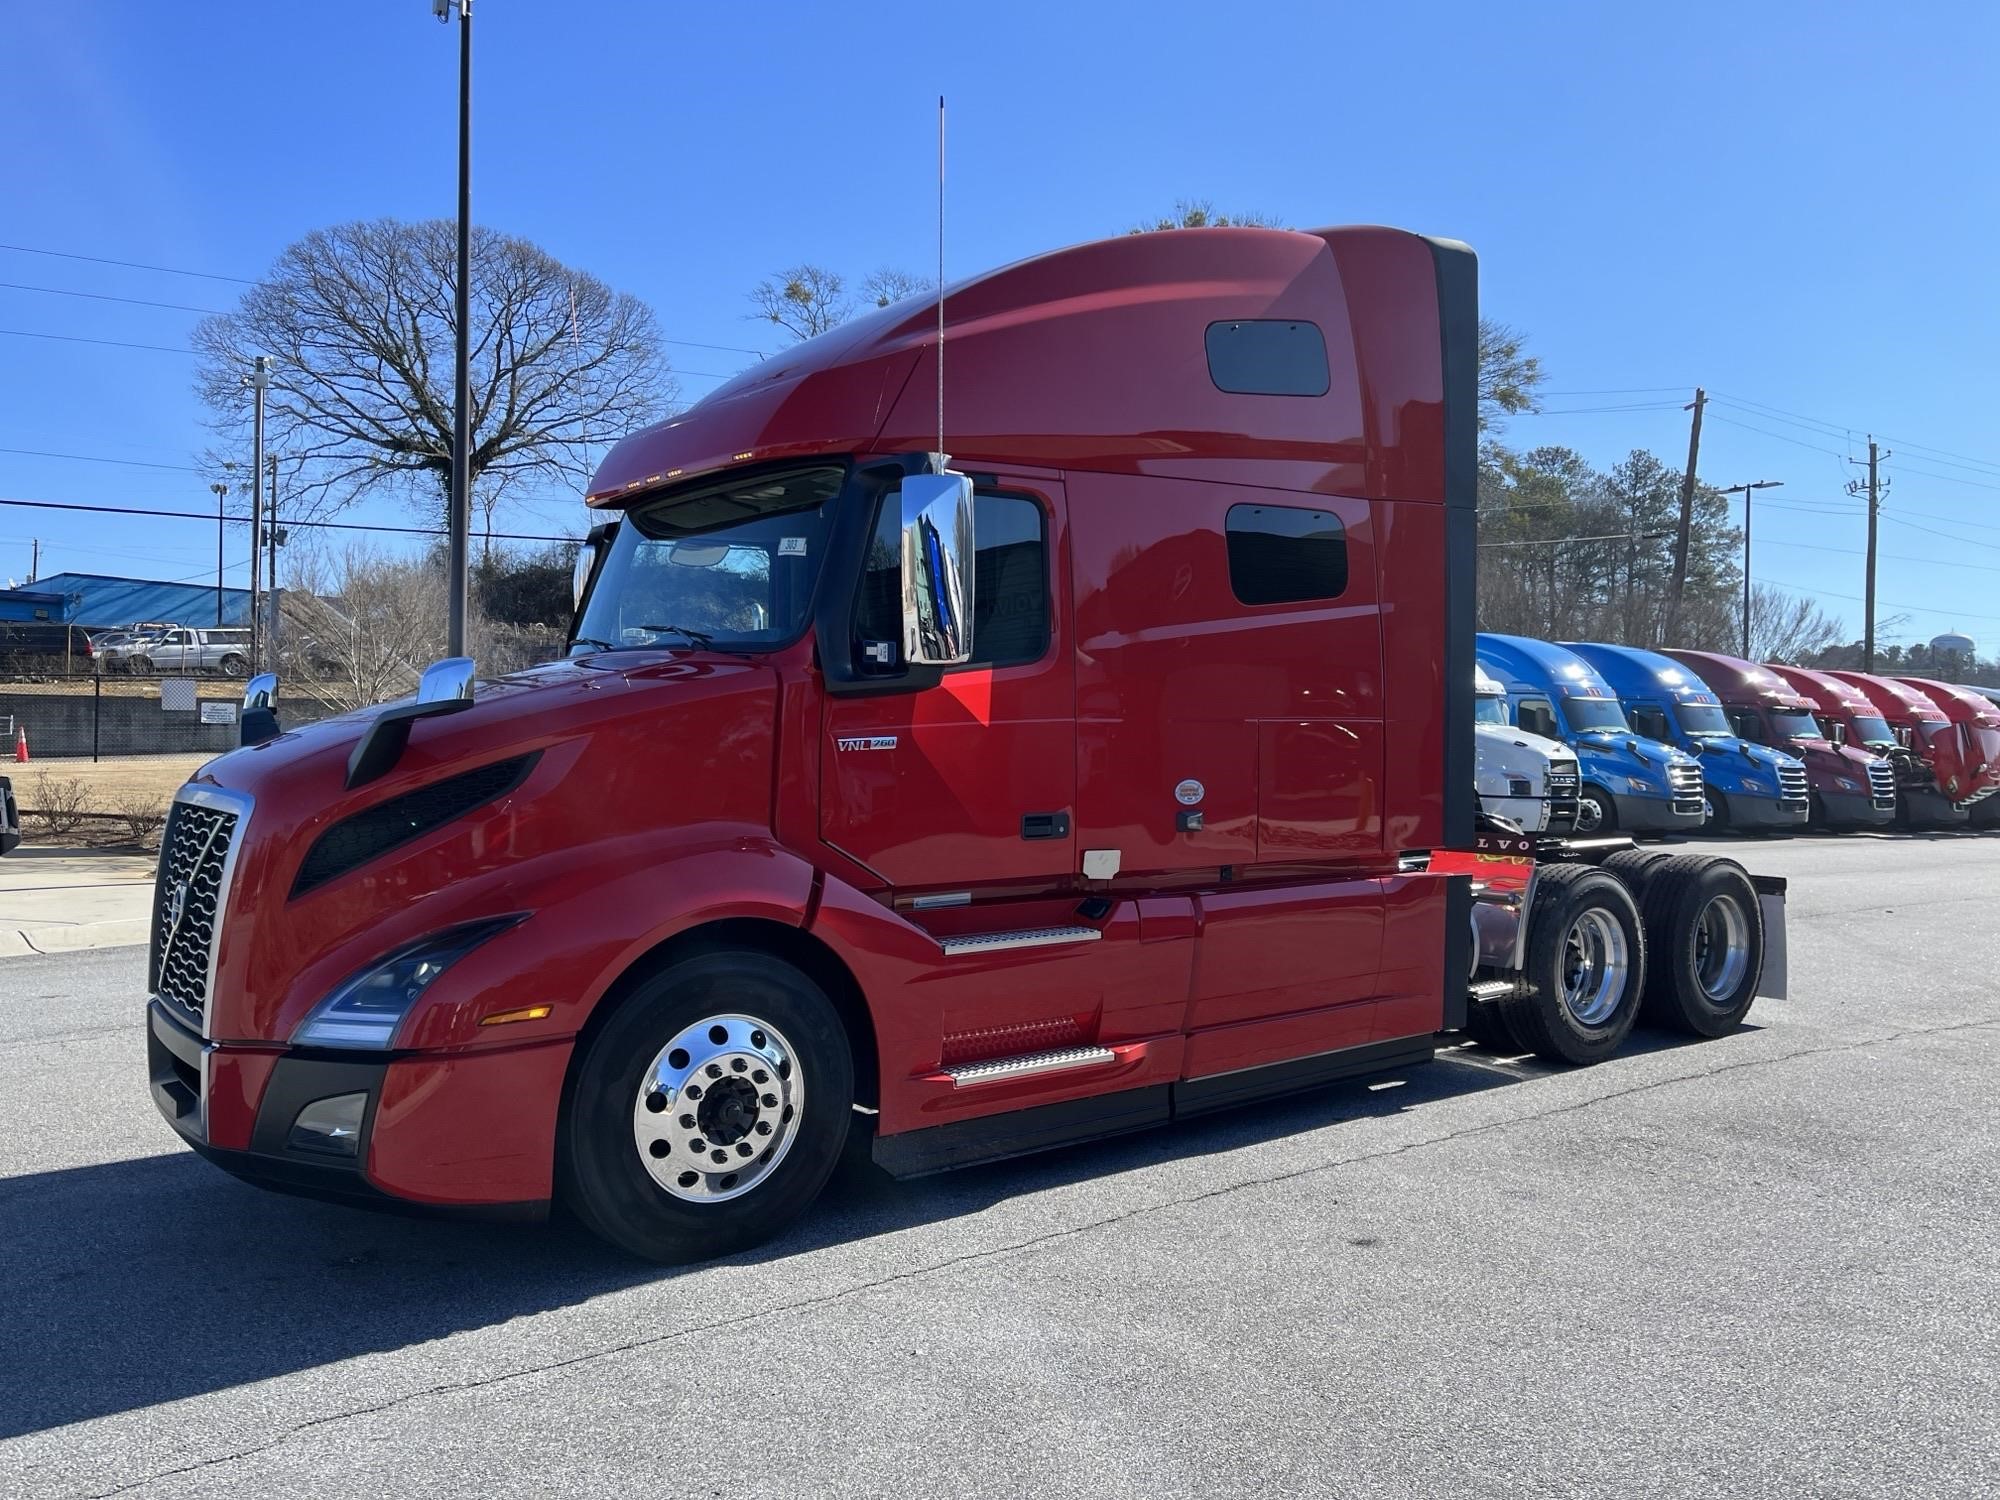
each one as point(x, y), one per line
point(1847, 786)
point(1635, 784)
point(365, 1010)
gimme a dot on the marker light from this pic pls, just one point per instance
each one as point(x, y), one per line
point(366, 1009)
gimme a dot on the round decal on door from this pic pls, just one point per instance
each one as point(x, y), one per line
point(1189, 792)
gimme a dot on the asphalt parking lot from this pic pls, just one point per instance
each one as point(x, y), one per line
point(1756, 1266)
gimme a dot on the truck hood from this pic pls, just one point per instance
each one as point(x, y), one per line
point(1619, 743)
point(576, 755)
point(1506, 737)
point(1763, 757)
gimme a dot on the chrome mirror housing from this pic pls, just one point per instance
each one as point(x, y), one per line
point(937, 569)
point(259, 720)
point(446, 681)
point(261, 691)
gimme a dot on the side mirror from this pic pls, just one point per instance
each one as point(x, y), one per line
point(259, 720)
point(446, 681)
point(937, 570)
point(1839, 734)
point(1902, 733)
point(445, 688)
point(595, 545)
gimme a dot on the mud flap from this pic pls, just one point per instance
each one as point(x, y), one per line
point(1771, 984)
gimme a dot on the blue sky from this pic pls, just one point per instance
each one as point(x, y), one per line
point(1790, 204)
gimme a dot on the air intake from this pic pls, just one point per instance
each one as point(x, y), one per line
point(354, 841)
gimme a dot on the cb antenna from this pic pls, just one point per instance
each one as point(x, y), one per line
point(940, 281)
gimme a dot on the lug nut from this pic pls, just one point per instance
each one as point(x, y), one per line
point(760, 1077)
point(770, 1101)
point(743, 1149)
point(693, 1091)
point(687, 1122)
point(718, 1157)
point(738, 1064)
point(763, 1127)
point(714, 1070)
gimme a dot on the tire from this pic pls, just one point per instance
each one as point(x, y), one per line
point(1486, 1024)
point(1718, 814)
point(656, 1202)
point(1687, 907)
point(1586, 967)
point(234, 665)
point(141, 666)
point(1605, 818)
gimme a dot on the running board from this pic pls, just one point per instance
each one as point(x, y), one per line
point(998, 1068)
point(1032, 937)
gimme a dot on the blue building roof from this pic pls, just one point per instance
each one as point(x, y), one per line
point(102, 602)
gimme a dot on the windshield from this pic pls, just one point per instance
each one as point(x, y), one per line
point(1490, 711)
point(1594, 713)
point(1793, 724)
point(729, 566)
point(1872, 729)
point(1702, 719)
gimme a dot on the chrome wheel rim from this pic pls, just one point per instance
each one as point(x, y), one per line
point(1589, 815)
point(1721, 948)
point(718, 1108)
point(1595, 959)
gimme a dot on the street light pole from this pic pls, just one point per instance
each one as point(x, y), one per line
point(220, 491)
point(458, 521)
point(1745, 491)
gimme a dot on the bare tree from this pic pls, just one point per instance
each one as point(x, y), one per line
point(359, 321)
point(362, 623)
point(891, 285)
point(1788, 627)
point(805, 301)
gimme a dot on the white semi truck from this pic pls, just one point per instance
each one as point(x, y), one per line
point(1522, 777)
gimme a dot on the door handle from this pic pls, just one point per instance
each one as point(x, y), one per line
point(1052, 825)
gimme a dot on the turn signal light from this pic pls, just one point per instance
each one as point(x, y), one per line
point(508, 1017)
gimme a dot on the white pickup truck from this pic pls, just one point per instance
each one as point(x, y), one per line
point(1522, 777)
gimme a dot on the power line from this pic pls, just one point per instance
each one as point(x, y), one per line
point(58, 291)
point(91, 458)
point(1929, 609)
point(1622, 390)
point(130, 265)
point(1781, 437)
point(1929, 562)
point(288, 524)
point(1579, 411)
point(71, 338)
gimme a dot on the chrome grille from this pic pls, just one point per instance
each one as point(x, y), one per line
point(1684, 782)
point(1882, 784)
point(1791, 783)
point(1564, 784)
point(187, 901)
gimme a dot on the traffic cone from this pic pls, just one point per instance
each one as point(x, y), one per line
point(21, 744)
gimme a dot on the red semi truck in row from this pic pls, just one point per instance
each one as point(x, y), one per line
point(1117, 770)
point(1977, 720)
point(1891, 721)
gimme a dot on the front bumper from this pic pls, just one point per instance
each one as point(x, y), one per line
point(1768, 812)
point(1653, 815)
point(465, 1135)
point(1855, 810)
point(1931, 808)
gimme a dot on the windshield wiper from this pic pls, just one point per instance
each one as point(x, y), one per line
point(591, 640)
point(701, 640)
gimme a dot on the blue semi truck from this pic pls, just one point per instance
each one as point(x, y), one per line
point(1630, 783)
point(1745, 786)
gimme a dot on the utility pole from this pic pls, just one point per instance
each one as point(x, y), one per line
point(458, 521)
point(259, 381)
point(220, 491)
point(1745, 491)
point(34, 558)
point(1874, 493)
point(1687, 520)
point(274, 541)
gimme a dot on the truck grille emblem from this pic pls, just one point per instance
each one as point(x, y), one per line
point(177, 900)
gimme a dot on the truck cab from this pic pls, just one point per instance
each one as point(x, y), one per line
point(1528, 780)
point(1977, 720)
point(1630, 783)
point(1850, 787)
point(1745, 785)
point(1890, 720)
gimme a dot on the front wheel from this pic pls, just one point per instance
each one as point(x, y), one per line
point(1718, 812)
point(234, 666)
point(1595, 811)
point(142, 666)
point(709, 1110)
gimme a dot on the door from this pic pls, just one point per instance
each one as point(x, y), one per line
point(971, 782)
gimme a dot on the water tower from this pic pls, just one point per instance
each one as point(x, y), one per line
point(1951, 643)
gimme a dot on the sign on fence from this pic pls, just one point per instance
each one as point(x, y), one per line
point(177, 695)
point(218, 711)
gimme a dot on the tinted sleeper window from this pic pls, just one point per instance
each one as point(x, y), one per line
point(1268, 357)
point(1282, 555)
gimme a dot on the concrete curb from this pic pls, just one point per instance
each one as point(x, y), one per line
point(28, 942)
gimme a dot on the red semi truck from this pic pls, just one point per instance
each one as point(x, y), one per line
point(1118, 770)
point(1889, 720)
point(1977, 719)
point(1850, 787)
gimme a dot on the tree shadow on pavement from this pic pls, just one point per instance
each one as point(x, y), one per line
point(142, 1281)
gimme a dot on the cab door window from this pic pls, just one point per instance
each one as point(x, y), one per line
point(1748, 724)
point(1537, 716)
point(1649, 722)
point(1010, 585)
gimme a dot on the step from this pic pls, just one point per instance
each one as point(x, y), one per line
point(997, 1069)
point(1030, 937)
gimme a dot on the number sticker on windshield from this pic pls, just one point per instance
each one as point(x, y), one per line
point(791, 546)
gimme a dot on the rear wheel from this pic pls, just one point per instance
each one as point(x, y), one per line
point(143, 665)
point(1595, 811)
point(234, 665)
point(1706, 931)
point(709, 1110)
point(1586, 966)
